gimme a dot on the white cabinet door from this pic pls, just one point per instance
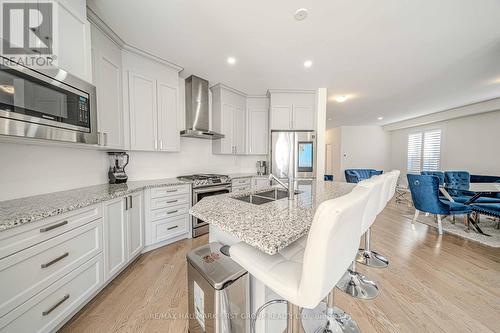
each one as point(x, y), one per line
point(259, 183)
point(115, 236)
point(143, 114)
point(135, 225)
point(73, 47)
point(227, 122)
point(257, 131)
point(303, 117)
point(239, 132)
point(281, 118)
point(107, 64)
point(168, 130)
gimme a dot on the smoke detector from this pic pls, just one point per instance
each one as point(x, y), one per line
point(301, 14)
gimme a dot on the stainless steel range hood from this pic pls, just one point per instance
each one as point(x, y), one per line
point(197, 114)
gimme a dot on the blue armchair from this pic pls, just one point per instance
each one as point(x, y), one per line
point(357, 175)
point(425, 194)
point(460, 181)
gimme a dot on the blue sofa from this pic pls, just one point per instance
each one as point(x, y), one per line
point(357, 175)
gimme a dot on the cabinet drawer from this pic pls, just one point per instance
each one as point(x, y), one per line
point(26, 273)
point(22, 237)
point(169, 191)
point(169, 212)
point(169, 228)
point(241, 182)
point(241, 188)
point(169, 202)
point(47, 309)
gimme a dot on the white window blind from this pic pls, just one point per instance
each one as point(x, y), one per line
point(424, 151)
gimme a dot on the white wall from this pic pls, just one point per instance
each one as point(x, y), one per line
point(468, 143)
point(27, 170)
point(365, 147)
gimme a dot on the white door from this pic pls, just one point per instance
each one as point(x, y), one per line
point(143, 112)
point(135, 225)
point(115, 236)
point(168, 129)
point(227, 124)
point(303, 117)
point(258, 133)
point(239, 132)
point(281, 118)
point(107, 75)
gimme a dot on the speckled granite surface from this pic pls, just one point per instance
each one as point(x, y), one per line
point(30, 209)
point(274, 225)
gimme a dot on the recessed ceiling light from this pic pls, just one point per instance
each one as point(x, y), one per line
point(380, 118)
point(308, 63)
point(231, 60)
point(340, 98)
point(301, 14)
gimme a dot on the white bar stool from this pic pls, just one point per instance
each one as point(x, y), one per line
point(305, 275)
point(367, 256)
point(353, 283)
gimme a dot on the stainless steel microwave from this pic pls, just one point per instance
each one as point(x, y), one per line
point(46, 104)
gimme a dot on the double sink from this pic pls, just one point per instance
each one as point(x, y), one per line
point(265, 197)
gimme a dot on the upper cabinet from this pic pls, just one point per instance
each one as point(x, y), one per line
point(257, 121)
point(151, 96)
point(292, 110)
point(229, 118)
point(107, 74)
point(73, 47)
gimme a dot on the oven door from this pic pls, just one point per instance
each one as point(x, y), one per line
point(200, 227)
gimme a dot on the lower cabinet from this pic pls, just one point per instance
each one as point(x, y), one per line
point(123, 232)
point(241, 184)
point(258, 183)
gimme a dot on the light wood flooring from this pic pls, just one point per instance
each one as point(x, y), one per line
point(433, 284)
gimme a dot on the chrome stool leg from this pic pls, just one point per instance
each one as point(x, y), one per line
point(371, 258)
point(357, 285)
point(327, 318)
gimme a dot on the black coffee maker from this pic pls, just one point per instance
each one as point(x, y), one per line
point(118, 161)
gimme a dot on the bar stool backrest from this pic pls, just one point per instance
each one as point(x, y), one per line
point(394, 183)
point(332, 243)
point(375, 185)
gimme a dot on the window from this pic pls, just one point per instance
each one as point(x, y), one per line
point(424, 151)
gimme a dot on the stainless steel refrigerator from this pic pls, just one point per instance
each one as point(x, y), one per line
point(293, 151)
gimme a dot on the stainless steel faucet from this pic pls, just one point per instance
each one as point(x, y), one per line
point(290, 188)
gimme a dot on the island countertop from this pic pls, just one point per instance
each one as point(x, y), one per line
point(274, 225)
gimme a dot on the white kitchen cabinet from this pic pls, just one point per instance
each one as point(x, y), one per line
point(135, 225)
point(229, 118)
point(74, 41)
point(152, 100)
point(168, 117)
point(107, 74)
point(115, 236)
point(292, 110)
point(143, 112)
point(123, 232)
point(257, 121)
point(260, 182)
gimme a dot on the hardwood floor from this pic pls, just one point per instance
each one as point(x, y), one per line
point(433, 284)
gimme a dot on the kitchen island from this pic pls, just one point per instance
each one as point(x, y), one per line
point(270, 226)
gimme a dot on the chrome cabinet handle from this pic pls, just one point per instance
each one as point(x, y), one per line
point(126, 203)
point(131, 200)
point(170, 191)
point(53, 261)
point(105, 138)
point(53, 307)
point(57, 225)
point(172, 227)
point(173, 211)
point(172, 201)
point(242, 181)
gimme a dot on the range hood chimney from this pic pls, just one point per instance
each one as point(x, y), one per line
point(197, 114)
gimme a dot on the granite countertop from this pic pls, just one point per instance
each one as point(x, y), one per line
point(30, 209)
point(274, 225)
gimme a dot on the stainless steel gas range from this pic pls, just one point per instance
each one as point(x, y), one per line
point(205, 185)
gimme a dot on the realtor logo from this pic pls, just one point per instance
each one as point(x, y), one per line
point(28, 32)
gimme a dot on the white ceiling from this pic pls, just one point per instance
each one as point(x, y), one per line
point(399, 58)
